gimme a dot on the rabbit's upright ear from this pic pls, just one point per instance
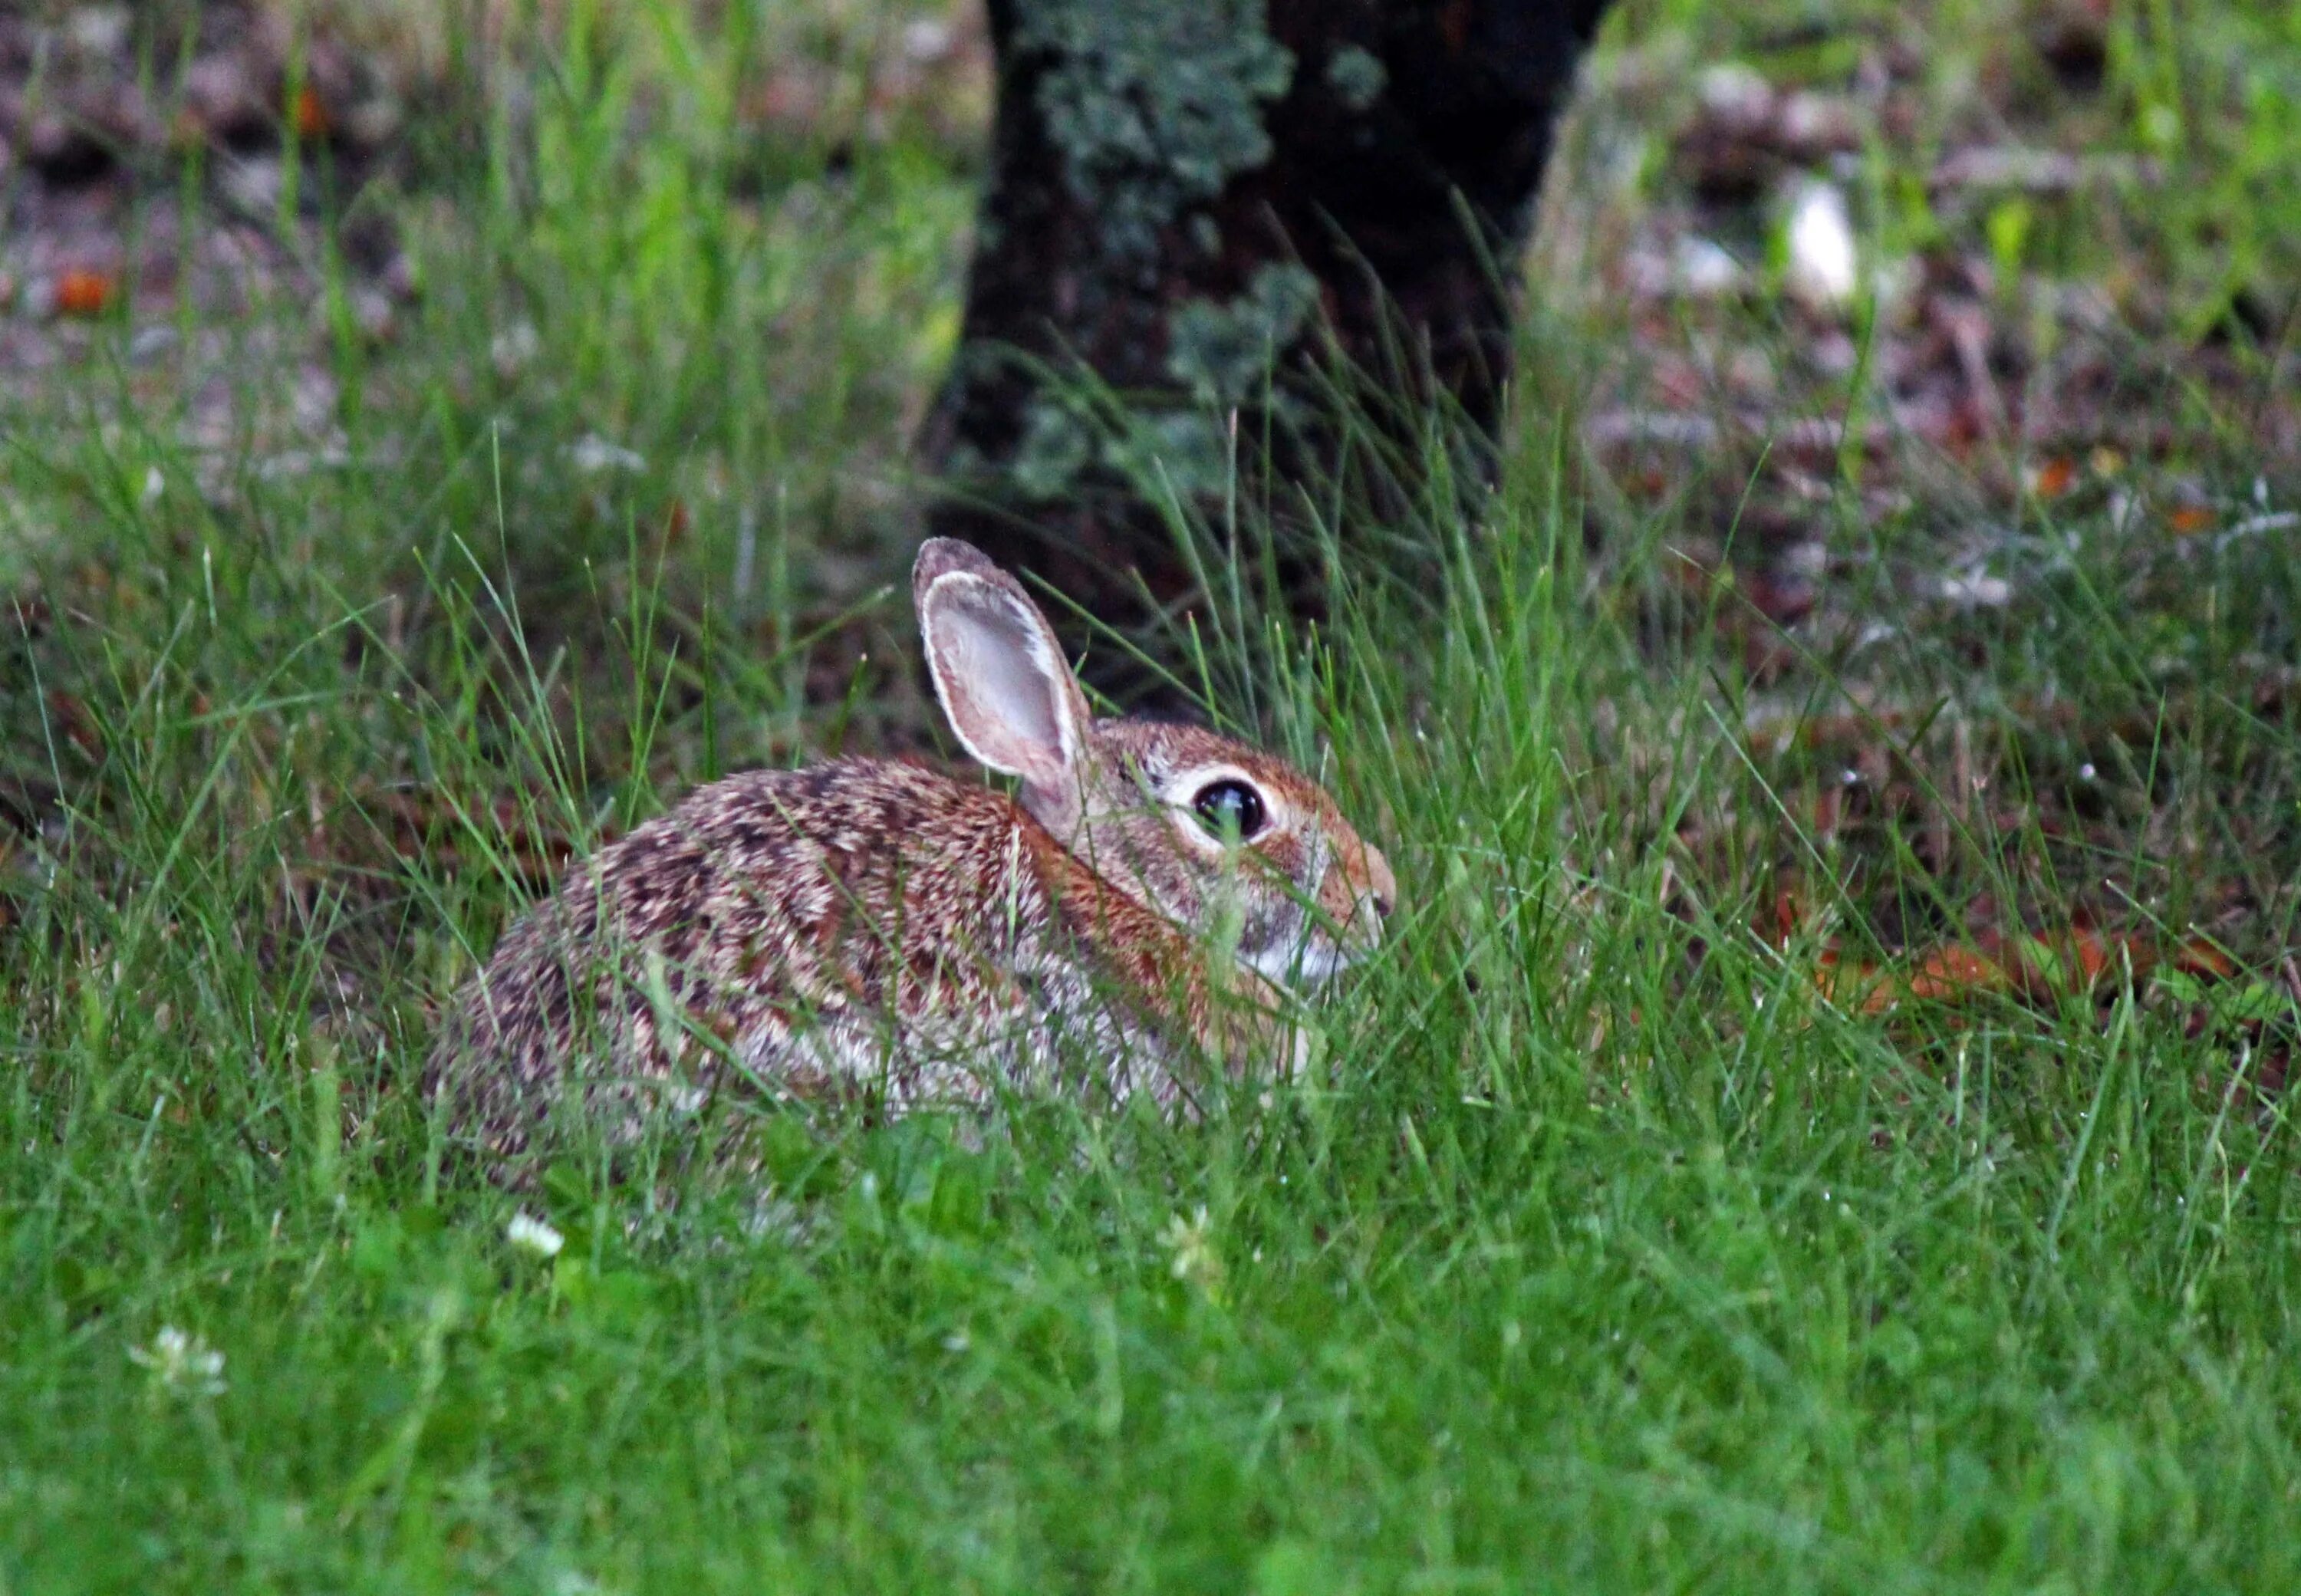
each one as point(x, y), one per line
point(1001, 677)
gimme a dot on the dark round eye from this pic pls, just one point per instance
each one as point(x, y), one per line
point(1229, 808)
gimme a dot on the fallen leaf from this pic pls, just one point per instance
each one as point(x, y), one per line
point(85, 291)
point(1945, 975)
point(2034, 967)
point(1787, 915)
point(2197, 956)
point(310, 115)
point(2054, 478)
point(2189, 520)
point(2077, 959)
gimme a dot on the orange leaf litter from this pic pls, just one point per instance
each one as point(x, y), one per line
point(84, 291)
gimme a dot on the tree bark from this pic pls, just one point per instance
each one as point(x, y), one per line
point(1186, 195)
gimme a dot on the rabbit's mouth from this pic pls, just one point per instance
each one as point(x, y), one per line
point(1304, 964)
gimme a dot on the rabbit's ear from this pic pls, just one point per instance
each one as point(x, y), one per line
point(1001, 677)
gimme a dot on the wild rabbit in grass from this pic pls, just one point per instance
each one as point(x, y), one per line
point(872, 926)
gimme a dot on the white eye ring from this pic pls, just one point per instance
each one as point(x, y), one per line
point(1231, 810)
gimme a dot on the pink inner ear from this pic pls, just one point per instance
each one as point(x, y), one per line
point(1003, 685)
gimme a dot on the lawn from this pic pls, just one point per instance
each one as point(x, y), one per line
point(1819, 1121)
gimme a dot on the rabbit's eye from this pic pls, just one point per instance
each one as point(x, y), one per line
point(1229, 810)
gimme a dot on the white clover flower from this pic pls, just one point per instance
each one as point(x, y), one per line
point(513, 349)
point(594, 455)
point(1192, 1243)
point(182, 1363)
point(531, 1234)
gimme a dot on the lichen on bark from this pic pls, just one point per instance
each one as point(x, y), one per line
point(1356, 75)
point(1153, 107)
point(1220, 353)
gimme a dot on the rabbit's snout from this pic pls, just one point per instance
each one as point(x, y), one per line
point(1358, 891)
point(1383, 886)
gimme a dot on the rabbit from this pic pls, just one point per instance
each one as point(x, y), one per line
point(1155, 892)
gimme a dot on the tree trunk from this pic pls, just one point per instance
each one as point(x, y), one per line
point(1183, 193)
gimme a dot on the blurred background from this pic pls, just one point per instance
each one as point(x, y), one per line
point(2001, 237)
point(1819, 1118)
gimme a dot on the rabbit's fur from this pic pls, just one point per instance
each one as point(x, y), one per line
point(873, 924)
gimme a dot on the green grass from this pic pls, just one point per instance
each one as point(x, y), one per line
point(1610, 1251)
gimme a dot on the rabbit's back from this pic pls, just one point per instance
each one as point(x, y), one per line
point(859, 924)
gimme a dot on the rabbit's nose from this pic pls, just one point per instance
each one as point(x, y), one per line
point(1382, 887)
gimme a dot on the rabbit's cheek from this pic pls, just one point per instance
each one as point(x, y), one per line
point(1342, 900)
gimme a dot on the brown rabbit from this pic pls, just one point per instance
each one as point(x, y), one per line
point(874, 924)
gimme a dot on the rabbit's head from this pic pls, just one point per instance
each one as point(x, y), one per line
point(1220, 837)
